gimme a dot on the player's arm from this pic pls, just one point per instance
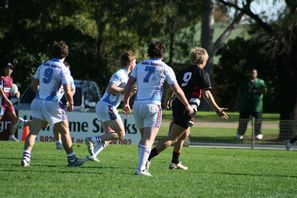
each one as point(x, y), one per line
point(168, 98)
point(127, 94)
point(5, 98)
point(66, 81)
point(68, 96)
point(181, 96)
point(72, 86)
point(18, 94)
point(263, 88)
point(34, 85)
point(114, 89)
point(207, 95)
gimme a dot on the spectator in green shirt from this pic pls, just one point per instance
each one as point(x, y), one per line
point(251, 104)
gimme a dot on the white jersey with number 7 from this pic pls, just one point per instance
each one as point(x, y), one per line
point(150, 77)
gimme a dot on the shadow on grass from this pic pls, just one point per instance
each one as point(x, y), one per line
point(252, 174)
point(64, 169)
point(271, 140)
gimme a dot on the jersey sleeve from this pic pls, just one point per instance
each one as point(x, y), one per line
point(264, 85)
point(66, 76)
point(206, 84)
point(37, 74)
point(116, 79)
point(170, 76)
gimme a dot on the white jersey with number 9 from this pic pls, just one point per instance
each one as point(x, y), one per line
point(51, 75)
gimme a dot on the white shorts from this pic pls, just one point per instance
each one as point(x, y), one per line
point(147, 115)
point(106, 112)
point(52, 112)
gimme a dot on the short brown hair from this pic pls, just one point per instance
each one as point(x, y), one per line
point(156, 49)
point(59, 49)
point(127, 57)
point(199, 55)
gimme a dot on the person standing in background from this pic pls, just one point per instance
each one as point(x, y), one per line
point(251, 104)
point(6, 85)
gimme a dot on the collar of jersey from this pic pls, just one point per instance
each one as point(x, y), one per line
point(56, 60)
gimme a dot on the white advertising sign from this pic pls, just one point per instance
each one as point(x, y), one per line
point(82, 125)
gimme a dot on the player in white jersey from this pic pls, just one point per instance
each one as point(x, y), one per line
point(150, 76)
point(57, 136)
point(106, 108)
point(47, 105)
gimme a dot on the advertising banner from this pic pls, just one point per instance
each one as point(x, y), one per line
point(86, 124)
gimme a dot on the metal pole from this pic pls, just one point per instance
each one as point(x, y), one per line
point(253, 132)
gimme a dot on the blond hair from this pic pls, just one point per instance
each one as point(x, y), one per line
point(199, 55)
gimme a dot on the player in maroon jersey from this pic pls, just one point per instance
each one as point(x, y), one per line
point(7, 108)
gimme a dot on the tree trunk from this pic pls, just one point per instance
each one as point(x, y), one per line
point(171, 44)
point(288, 88)
point(100, 39)
point(207, 30)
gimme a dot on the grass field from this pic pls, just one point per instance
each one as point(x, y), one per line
point(222, 134)
point(211, 116)
point(212, 173)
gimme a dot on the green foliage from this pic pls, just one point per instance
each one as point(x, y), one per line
point(97, 32)
point(212, 173)
point(234, 65)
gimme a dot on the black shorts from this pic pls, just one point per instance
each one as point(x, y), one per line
point(180, 115)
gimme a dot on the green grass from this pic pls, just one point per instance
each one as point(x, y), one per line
point(212, 173)
point(226, 135)
point(211, 116)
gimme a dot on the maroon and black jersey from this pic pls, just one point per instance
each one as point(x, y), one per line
point(192, 81)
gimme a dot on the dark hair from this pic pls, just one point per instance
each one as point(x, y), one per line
point(66, 64)
point(11, 66)
point(59, 49)
point(127, 57)
point(156, 49)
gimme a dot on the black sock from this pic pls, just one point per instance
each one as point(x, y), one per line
point(175, 157)
point(293, 140)
point(154, 152)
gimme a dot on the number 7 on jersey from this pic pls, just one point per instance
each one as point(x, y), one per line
point(150, 71)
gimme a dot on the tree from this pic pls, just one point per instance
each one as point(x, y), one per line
point(281, 39)
point(207, 34)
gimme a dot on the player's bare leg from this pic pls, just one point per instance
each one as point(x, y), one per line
point(63, 128)
point(114, 130)
point(144, 149)
point(174, 135)
point(35, 126)
point(12, 117)
point(178, 145)
point(118, 130)
point(175, 163)
point(57, 138)
point(177, 134)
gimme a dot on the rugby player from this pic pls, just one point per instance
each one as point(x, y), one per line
point(47, 106)
point(106, 108)
point(195, 82)
point(150, 76)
